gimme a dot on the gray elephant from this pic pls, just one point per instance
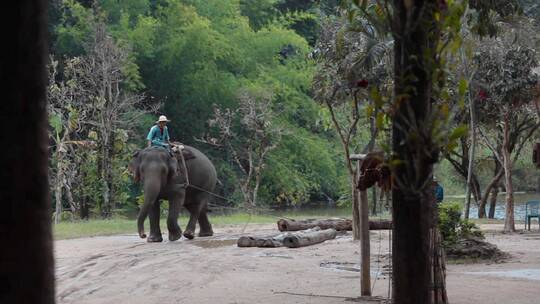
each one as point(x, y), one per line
point(161, 173)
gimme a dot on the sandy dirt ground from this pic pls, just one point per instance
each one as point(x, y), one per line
point(126, 269)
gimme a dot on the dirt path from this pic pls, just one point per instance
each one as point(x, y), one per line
point(125, 269)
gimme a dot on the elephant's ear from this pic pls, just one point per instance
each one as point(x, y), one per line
point(134, 167)
point(172, 163)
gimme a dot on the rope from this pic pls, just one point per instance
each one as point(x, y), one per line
point(184, 165)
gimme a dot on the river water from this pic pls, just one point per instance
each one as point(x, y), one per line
point(519, 205)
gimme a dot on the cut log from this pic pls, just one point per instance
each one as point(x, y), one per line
point(307, 237)
point(295, 239)
point(338, 224)
point(262, 241)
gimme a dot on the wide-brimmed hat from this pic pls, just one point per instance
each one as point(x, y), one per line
point(162, 118)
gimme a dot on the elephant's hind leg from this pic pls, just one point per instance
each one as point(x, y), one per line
point(155, 231)
point(204, 223)
point(194, 206)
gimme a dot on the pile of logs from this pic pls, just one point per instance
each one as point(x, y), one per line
point(338, 224)
point(290, 239)
point(305, 232)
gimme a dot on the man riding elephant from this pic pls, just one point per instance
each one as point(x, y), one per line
point(180, 174)
point(159, 134)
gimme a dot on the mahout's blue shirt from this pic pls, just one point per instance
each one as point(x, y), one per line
point(157, 137)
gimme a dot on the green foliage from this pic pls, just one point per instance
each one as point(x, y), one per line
point(191, 55)
point(260, 13)
point(453, 227)
point(73, 30)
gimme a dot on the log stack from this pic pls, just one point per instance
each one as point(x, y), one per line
point(337, 224)
point(290, 239)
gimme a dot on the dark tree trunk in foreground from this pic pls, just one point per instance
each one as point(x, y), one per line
point(26, 258)
point(416, 34)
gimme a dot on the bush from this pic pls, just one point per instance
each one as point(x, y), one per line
point(453, 228)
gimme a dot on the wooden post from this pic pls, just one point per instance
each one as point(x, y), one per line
point(364, 244)
point(365, 279)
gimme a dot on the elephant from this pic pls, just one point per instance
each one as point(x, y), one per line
point(162, 175)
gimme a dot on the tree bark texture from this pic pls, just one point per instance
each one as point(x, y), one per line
point(439, 295)
point(493, 202)
point(471, 160)
point(416, 34)
point(59, 183)
point(306, 238)
point(26, 258)
point(337, 224)
point(493, 184)
point(509, 225)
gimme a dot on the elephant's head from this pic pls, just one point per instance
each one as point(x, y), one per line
point(152, 159)
point(154, 167)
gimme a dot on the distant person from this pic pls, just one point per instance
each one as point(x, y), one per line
point(439, 191)
point(159, 134)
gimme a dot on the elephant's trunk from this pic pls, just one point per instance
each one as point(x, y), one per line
point(151, 193)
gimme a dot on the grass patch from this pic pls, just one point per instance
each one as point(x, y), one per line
point(98, 227)
point(77, 229)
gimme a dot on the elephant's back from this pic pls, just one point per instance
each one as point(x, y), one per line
point(201, 170)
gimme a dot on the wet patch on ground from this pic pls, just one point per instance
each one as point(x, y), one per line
point(213, 243)
point(527, 274)
point(351, 267)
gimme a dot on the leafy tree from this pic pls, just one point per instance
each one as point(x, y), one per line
point(247, 134)
point(505, 81)
point(74, 29)
point(259, 13)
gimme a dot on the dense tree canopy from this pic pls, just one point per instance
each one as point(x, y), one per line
point(191, 56)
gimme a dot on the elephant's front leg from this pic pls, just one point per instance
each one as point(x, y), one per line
point(155, 231)
point(175, 203)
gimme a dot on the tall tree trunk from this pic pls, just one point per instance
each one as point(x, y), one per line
point(493, 201)
point(26, 258)
point(69, 197)
point(81, 192)
point(416, 35)
point(257, 184)
point(106, 172)
point(471, 160)
point(59, 182)
point(110, 174)
point(498, 173)
point(509, 225)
